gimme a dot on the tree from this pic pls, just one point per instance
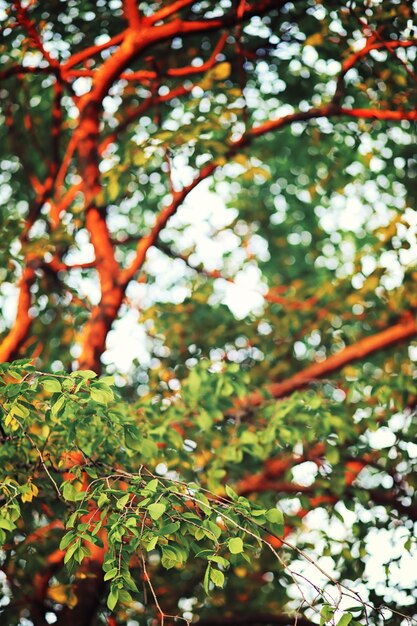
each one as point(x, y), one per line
point(239, 471)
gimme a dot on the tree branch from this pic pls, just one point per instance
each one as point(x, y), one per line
point(132, 14)
point(353, 59)
point(29, 26)
point(149, 240)
point(112, 291)
point(277, 468)
point(10, 345)
point(188, 70)
point(87, 53)
point(173, 8)
point(15, 70)
point(114, 282)
point(325, 111)
point(270, 296)
point(383, 340)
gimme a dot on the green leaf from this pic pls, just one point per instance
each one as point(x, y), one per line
point(168, 529)
point(133, 442)
point(96, 529)
point(326, 614)
point(212, 530)
point(333, 455)
point(111, 574)
point(217, 577)
point(235, 545)
point(152, 486)
point(156, 510)
point(204, 420)
point(206, 581)
point(112, 598)
point(86, 374)
point(215, 558)
point(194, 383)
point(103, 499)
point(66, 540)
point(276, 518)
point(107, 380)
point(168, 563)
point(7, 524)
point(232, 494)
point(20, 410)
point(71, 520)
point(102, 396)
point(69, 493)
point(71, 551)
point(51, 385)
point(57, 406)
point(151, 544)
point(148, 448)
point(345, 619)
point(173, 555)
point(121, 502)
point(13, 390)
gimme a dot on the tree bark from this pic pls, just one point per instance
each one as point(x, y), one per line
point(10, 345)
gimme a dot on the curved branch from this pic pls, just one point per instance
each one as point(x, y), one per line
point(29, 26)
point(112, 291)
point(276, 468)
point(270, 296)
point(188, 70)
point(15, 70)
point(19, 332)
point(87, 53)
point(149, 240)
point(329, 110)
point(173, 8)
point(325, 111)
point(132, 14)
point(353, 59)
point(387, 338)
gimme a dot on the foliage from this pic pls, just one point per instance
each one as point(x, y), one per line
point(208, 335)
point(91, 457)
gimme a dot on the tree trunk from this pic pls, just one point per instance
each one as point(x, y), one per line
point(97, 328)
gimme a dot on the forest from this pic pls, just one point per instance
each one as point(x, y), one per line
point(208, 300)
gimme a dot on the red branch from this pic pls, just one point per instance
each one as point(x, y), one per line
point(353, 59)
point(112, 292)
point(189, 70)
point(383, 340)
point(87, 53)
point(173, 8)
point(10, 345)
point(149, 240)
point(30, 28)
point(131, 11)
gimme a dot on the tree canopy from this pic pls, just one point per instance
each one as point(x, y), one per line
point(208, 338)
